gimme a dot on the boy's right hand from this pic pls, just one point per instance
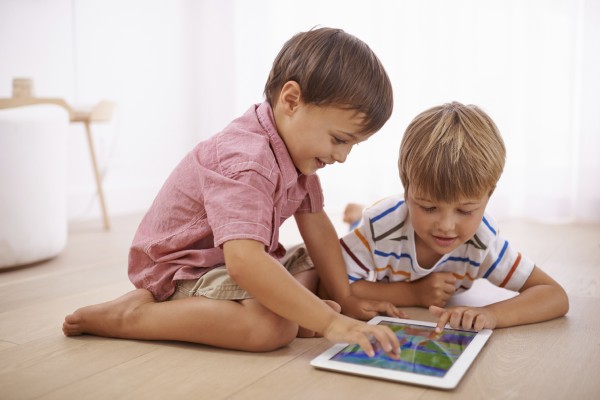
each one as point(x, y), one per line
point(344, 329)
point(435, 289)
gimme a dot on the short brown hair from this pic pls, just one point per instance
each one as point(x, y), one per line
point(334, 68)
point(451, 152)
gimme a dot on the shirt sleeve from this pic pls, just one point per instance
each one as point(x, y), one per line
point(504, 266)
point(357, 248)
point(314, 201)
point(239, 205)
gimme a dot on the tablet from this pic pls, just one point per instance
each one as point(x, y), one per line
point(427, 358)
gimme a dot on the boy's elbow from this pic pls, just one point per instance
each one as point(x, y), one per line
point(236, 268)
point(559, 300)
point(564, 308)
point(236, 255)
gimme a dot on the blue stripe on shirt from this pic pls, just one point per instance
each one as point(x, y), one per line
point(495, 264)
point(485, 221)
point(396, 256)
point(353, 225)
point(461, 259)
point(386, 212)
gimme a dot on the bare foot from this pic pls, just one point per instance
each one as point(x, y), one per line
point(353, 213)
point(106, 319)
point(307, 333)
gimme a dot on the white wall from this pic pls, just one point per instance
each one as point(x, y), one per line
point(531, 64)
point(158, 60)
point(180, 70)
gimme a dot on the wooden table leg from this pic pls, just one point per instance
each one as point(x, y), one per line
point(97, 175)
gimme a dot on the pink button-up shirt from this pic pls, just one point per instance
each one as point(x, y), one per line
point(239, 184)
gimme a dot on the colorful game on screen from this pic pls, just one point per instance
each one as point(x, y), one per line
point(422, 350)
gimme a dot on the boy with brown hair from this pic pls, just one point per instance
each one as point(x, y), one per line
point(420, 248)
point(205, 258)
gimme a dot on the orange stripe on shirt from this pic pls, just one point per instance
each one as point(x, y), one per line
point(393, 272)
point(512, 269)
point(469, 277)
point(362, 239)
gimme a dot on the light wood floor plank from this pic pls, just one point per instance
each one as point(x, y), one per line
point(46, 288)
point(48, 364)
point(45, 319)
point(181, 371)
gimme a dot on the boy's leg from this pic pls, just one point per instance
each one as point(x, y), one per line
point(300, 265)
point(244, 325)
point(241, 325)
point(310, 280)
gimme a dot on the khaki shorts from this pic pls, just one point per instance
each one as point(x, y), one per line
point(217, 284)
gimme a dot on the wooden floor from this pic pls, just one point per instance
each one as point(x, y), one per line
point(554, 360)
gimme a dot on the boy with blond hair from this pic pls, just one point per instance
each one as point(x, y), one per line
point(419, 249)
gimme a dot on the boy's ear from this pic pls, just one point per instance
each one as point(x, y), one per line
point(290, 97)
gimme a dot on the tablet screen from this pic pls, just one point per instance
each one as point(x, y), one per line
point(423, 351)
point(427, 358)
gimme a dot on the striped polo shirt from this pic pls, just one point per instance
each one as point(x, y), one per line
point(382, 248)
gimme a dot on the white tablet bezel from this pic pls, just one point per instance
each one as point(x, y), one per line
point(449, 381)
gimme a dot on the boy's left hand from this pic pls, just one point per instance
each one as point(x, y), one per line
point(468, 318)
point(364, 309)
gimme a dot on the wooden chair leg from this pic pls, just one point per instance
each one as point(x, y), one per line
point(97, 175)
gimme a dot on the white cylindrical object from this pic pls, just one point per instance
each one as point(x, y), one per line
point(33, 175)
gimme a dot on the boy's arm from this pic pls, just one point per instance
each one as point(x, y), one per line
point(322, 244)
point(274, 287)
point(435, 289)
point(540, 299)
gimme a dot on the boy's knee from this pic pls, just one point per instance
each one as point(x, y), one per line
point(271, 333)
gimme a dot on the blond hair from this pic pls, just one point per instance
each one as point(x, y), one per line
point(334, 68)
point(451, 152)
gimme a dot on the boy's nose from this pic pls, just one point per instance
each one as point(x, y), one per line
point(446, 223)
point(341, 154)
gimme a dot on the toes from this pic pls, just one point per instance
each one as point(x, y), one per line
point(69, 330)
